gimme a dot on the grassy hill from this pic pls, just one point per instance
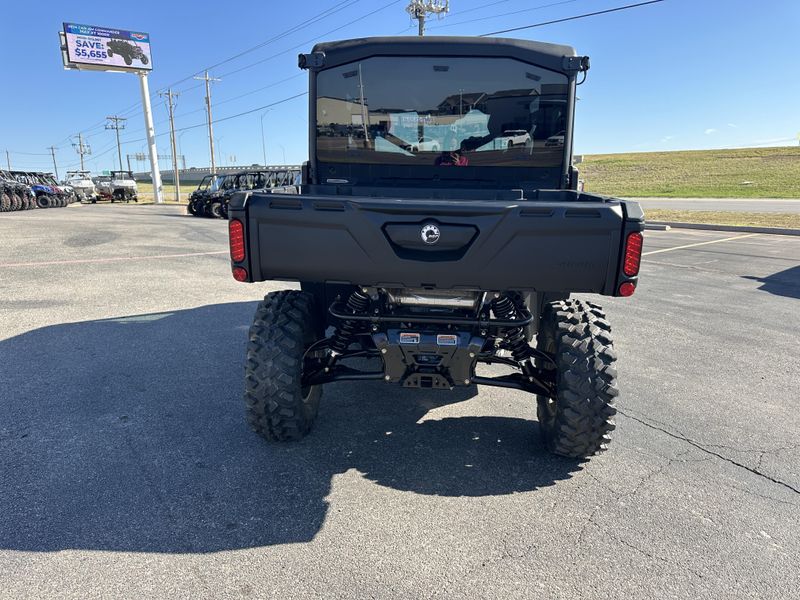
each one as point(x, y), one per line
point(739, 173)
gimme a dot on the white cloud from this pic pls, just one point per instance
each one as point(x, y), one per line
point(710, 130)
point(667, 138)
point(733, 125)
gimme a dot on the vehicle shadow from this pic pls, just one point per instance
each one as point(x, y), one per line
point(128, 434)
point(783, 283)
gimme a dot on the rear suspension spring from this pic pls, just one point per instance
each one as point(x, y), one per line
point(505, 308)
point(343, 336)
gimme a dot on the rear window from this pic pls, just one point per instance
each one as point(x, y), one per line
point(441, 111)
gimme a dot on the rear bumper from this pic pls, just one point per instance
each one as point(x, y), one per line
point(543, 246)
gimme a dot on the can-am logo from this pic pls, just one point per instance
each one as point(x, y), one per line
point(430, 233)
point(139, 36)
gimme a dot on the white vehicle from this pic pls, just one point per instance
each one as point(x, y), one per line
point(102, 185)
point(513, 137)
point(82, 184)
point(555, 140)
point(123, 186)
point(426, 144)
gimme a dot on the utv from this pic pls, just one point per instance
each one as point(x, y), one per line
point(127, 50)
point(216, 203)
point(206, 186)
point(434, 263)
point(14, 194)
point(40, 190)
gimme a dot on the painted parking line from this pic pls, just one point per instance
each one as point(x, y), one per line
point(729, 239)
point(84, 261)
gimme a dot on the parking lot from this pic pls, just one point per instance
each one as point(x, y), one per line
point(126, 467)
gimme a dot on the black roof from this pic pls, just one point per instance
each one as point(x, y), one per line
point(550, 56)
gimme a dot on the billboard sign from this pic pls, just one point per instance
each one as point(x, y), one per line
point(107, 48)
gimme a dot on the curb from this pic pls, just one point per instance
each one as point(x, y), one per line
point(742, 228)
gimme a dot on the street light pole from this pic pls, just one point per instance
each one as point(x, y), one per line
point(263, 144)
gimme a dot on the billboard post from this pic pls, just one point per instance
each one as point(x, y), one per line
point(92, 48)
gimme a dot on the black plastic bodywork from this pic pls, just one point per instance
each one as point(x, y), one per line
point(552, 241)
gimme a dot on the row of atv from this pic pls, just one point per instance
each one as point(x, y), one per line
point(25, 190)
point(212, 196)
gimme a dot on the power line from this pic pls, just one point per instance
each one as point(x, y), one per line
point(135, 108)
point(507, 14)
point(311, 40)
point(583, 16)
point(300, 45)
point(336, 8)
point(228, 118)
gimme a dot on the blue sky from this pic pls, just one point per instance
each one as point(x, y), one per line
point(682, 74)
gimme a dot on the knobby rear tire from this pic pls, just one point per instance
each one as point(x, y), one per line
point(579, 421)
point(278, 407)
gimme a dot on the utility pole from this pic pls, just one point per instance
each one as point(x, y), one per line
point(176, 178)
point(53, 154)
point(81, 149)
point(419, 10)
point(208, 81)
point(116, 123)
point(8, 160)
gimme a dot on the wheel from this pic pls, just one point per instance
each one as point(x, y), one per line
point(223, 210)
point(144, 60)
point(578, 423)
point(278, 407)
point(510, 144)
point(128, 61)
point(191, 208)
point(5, 202)
point(43, 201)
point(215, 210)
point(110, 53)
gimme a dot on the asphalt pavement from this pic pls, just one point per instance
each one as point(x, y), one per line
point(127, 470)
point(768, 205)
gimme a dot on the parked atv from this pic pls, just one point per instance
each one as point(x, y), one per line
point(129, 51)
point(433, 264)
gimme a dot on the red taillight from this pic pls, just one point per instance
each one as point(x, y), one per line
point(627, 289)
point(633, 254)
point(236, 231)
point(239, 274)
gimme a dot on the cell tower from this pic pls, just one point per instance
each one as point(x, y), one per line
point(420, 9)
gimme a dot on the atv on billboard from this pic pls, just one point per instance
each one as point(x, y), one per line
point(107, 47)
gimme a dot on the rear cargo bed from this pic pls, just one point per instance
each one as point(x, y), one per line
point(517, 244)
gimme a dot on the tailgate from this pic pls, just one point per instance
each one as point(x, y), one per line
point(384, 242)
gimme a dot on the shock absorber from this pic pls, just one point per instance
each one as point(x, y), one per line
point(343, 335)
point(505, 308)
